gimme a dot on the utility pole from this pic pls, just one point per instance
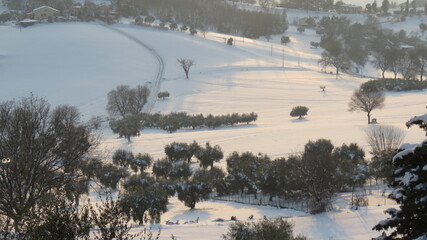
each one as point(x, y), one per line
point(283, 57)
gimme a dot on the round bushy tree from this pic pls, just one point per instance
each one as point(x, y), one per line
point(299, 111)
point(123, 157)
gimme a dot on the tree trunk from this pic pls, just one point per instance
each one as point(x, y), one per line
point(383, 74)
point(186, 73)
point(369, 117)
point(336, 76)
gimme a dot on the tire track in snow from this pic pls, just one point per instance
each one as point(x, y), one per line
point(155, 84)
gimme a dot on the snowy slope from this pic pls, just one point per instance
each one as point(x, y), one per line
point(73, 63)
point(79, 63)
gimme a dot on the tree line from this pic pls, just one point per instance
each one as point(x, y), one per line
point(348, 45)
point(206, 15)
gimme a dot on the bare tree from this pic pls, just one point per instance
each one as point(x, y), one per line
point(40, 152)
point(265, 3)
point(366, 100)
point(338, 61)
point(380, 62)
point(124, 101)
point(384, 139)
point(186, 64)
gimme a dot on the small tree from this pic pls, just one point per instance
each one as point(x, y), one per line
point(127, 127)
point(193, 192)
point(186, 64)
point(285, 40)
point(423, 27)
point(163, 95)
point(207, 156)
point(230, 41)
point(366, 100)
point(299, 111)
point(301, 29)
point(173, 26)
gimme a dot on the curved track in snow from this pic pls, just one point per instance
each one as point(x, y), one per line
point(155, 84)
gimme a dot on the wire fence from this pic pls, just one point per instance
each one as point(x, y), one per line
point(261, 199)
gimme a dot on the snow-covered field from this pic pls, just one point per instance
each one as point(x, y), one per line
point(79, 63)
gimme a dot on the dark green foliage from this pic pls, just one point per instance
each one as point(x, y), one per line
point(177, 120)
point(57, 218)
point(163, 95)
point(162, 168)
point(285, 40)
point(143, 203)
point(110, 175)
point(318, 168)
point(381, 165)
point(409, 182)
point(299, 111)
point(398, 85)
point(137, 181)
point(180, 171)
point(149, 19)
point(271, 229)
point(208, 155)
point(193, 31)
point(246, 170)
point(141, 162)
point(193, 192)
point(352, 167)
point(123, 157)
point(180, 151)
point(173, 26)
point(128, 127)
point(183, 28)
point(214, 176)
point(230, 41)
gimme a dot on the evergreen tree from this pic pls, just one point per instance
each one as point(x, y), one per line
point(410, 192)
point(385, 6)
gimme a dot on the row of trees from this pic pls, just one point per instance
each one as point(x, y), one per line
point(133, 124)
point(196, 14)
point(346, 44)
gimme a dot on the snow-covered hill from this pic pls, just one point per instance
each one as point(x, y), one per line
point(79, 63)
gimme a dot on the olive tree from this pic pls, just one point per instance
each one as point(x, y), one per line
point(299, 111)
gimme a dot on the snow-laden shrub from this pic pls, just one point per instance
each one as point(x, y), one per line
point(271, 229)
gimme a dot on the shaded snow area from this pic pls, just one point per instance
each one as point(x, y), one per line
point(79, 63)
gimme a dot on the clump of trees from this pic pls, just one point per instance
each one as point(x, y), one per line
point(274, 229)
point(389, 84)
point(196, 15)
point(347, 46)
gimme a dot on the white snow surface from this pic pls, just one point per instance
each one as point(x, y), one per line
point(79, 63)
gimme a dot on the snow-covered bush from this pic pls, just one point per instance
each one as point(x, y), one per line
point(271, 229)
